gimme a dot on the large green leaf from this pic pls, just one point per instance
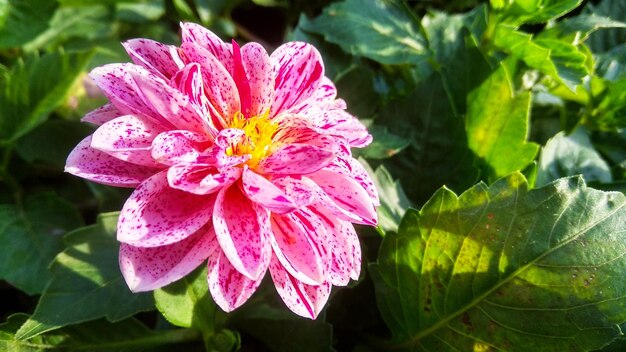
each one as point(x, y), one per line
point(559, 59)
point(86, 283)
point(505, 268)
point(578, 29)
point(100, 335)
point(571, 155)
point(497, 125)
point(393, 200)
point(33, 89)
point(533, 11)
point(187, 302)
point(608, 39)
point(21, 21)
point(382, 30)
point(30, 237)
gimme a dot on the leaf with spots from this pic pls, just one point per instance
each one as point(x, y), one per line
point(506, 268)
point(86, 283)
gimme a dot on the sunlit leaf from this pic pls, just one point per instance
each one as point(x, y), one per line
point(497, 125)
point(384, 31)
point(571, 155)
point(505, 268)
point(22, 21)
point(86, 283)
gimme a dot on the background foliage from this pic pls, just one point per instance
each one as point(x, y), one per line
point(482, 114)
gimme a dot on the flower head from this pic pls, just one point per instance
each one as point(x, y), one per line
point(240, 159)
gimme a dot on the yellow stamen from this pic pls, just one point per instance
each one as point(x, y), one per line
point(257, 141)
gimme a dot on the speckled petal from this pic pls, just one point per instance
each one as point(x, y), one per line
point(229, 288)
point(304, 300)
point(119, 86)
point(97, 166)
point(158, 58)
point(242, 228)
point(197, 34)
point(258, 69)
point(101, 115)
point(263, 192)
point(300, 243)
point(339, 123)
point(146, 269)
point(156, 214)
point(174, 147)
point(201, 179)
point(219, 86)
point(352, 167)
point(128, 138)
point(346, 194)
point(296, 159)
point(299, 72)
point(344, 246)
point(168, 102)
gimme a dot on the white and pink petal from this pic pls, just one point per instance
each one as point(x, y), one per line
point(100, 167)
point(263, 192)
point(296, 159)
point(229, 288)
point(146, 269)
point(157, 215)
point(243, 231)
point(158, 58)
point(201, 179)
point(304, 300)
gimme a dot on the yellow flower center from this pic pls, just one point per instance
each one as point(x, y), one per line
point(257, 141)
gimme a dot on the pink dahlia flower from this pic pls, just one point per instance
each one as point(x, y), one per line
point(239, 158)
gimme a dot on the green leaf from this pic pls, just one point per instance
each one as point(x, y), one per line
point(381, 30)
point(127, 335)
point(534, 11)
point(86, 283)
point(384, 145)
point(89, 22)
point(52, 141)
point(22, 21)
point(32, 90)
point(30, 237)
point(559, 59)
point(571, 155)
point(505, 268)
point(393, 200)
point(577, 29)
point(187, 302)
point(497, 125)
point(608, 39)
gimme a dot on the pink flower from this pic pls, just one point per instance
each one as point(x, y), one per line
point(237, 157)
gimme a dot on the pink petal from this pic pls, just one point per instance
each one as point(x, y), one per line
point(119, 86)
point(345, 197)
point(175, 147)
point(295, 159)
point(321, 99)
point(344, 246)
point(351, 167)
point(101, 115)
point(265, 193)
point(258, 67)
point(158, 58)
point(94, 165)
point(243, 231)
point(168, 102)
point(201, 179)
point(219, 86)
point(305, 135)
point(229, 288)
point(300, 244)
point(304, 300)
point(241, 80)
point(128, 138)
point(146, 269)
point(339, 123)
point(299, 193)
point(197, 34)
point(299, 71)
point(157, 215)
